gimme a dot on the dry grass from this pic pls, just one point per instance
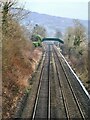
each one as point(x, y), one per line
point(19, 61)
point(80, 65)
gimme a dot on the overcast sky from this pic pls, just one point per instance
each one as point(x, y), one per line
point(64, 8)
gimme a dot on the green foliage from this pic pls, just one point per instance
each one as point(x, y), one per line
point(37, 40)
point(39, 44)
point(36, 44)
point(36, 37)
point(77, 41)
point(27, 90)
point(37, 34)
point(81, 52)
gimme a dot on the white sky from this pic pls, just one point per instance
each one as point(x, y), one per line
point(64, 8)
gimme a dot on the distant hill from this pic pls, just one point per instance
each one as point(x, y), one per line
point(51, 23)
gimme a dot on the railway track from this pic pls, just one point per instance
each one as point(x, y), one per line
point(72, 106)
point(42, 102)
point(58, 94)
point(80, 95)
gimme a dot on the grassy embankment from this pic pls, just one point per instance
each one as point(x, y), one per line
point(80, 65)
point(19, 61)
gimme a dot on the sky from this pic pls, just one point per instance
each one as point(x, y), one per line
point(65, 8)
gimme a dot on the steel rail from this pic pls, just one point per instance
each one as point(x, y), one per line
point(38, 91)
point(74, 96)
point(63, 97)
point(39, 88)
point(49, 84)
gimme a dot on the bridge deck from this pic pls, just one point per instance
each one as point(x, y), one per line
point(53, 39)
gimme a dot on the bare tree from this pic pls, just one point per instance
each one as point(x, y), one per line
point(58, 34)
point(68, 39)
point(79, 33)
point(39, 30)
point(75, 37)
point(5, 12)
point(76, 42)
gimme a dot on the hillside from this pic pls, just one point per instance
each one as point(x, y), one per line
point(51, 23)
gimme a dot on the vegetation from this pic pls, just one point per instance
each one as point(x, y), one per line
point(20, 57)
point(19, 60)
point(37, 40)
point(58, 34)
point(76, 49)
point(39, 30)
point(88, 65)
point(38, 33)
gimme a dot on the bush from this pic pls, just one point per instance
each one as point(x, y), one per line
point(16, 66)
point(35, 44)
